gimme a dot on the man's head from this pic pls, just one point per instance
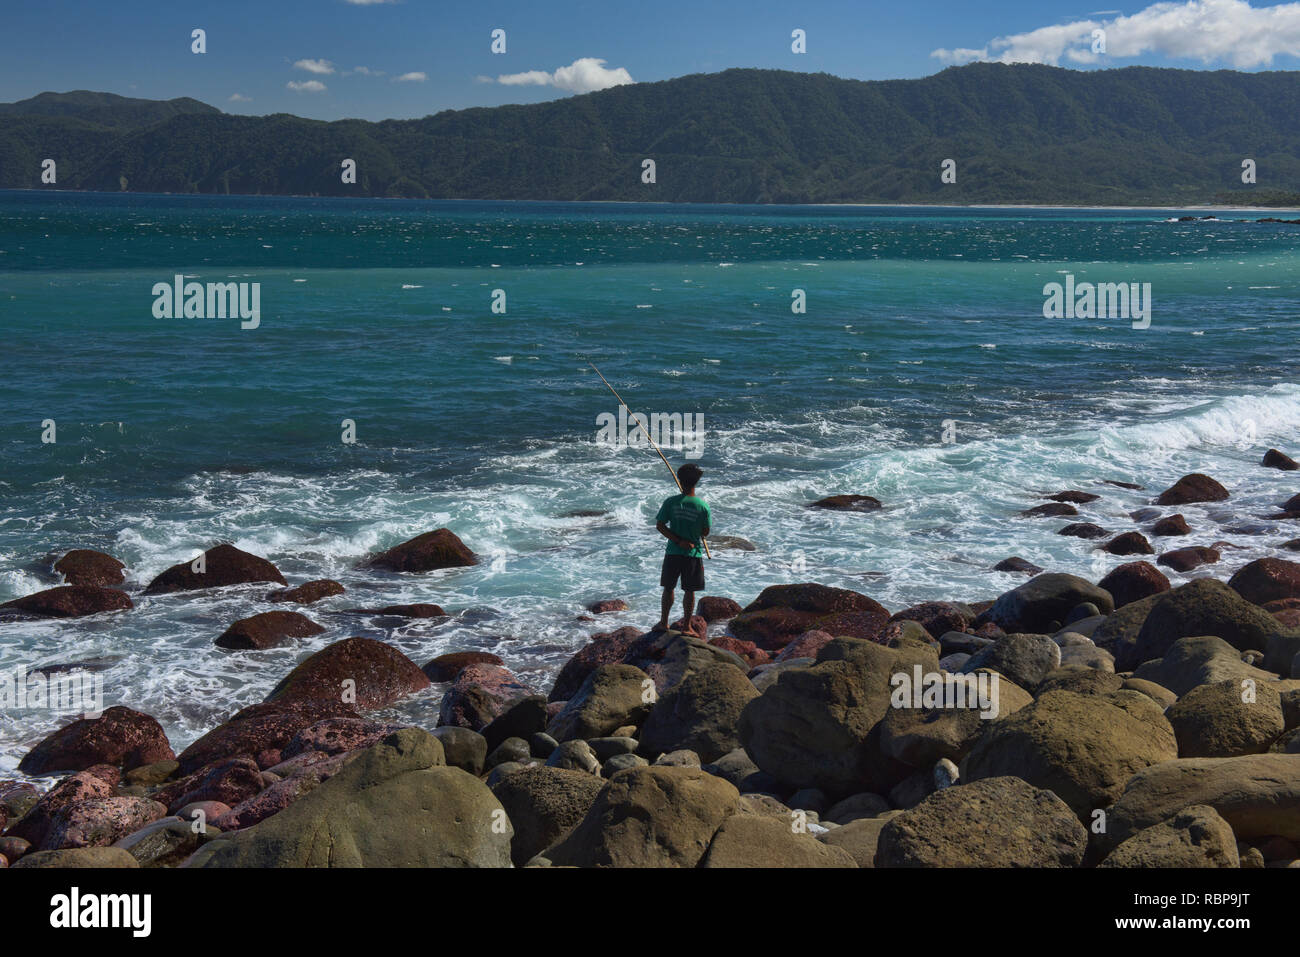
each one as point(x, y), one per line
point(689, 475)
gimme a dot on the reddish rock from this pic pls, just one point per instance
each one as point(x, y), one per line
point(1185, 559)
point(606, 606)
point(1128, 485)
point(1051, 509)
point(1267, 579)
point(99, 822)
point(1132, 581)
point(714, 608)
point(989, 630)
point(121, 737)
point(377, 674)
point(339, 735)
point(14, 847)
point(1193, 488)
point(1288, 616)
point(479, 694)
point(1274, 459)
point(107, 773)
point(848, 503)
point(1170, 526)
point(446, 667)
point(307, 592)
point(417, 610)
point(230, 781)
point(223, 565)
point(266, 630)
point(257, 729)
point(805, 646)
point(867, 625)
point(1292, 546)
point(606, 648)
point(1015, 564)
point(427, 552)
point(35, 825)
point(1129, 543)
point(70, 601)
point(750, 652)
point(1083, 530)
point(82, 566)
point(772, 628)
point(937, 617)
point(697, 627)
point(1074, 497)
point(783, 612)
point(278, 796)
point(211, 810)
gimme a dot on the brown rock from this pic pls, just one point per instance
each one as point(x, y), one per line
point(1193, 488)
point(307, 592)
point(82, 566)
point(230, 781)
point(1077, 498)
point(1274, 459)
point(479, 694)
point(713, 608)
point(447, 667)
point(1130, 543)
point(120, 737)
point(1185, 559)
point(259, 728)
point(937, 617)
point(381, 675)
point(417, 610)
point(1134, 581)
point(268, 629)
point(35, 825)
point(70, 601)
point(99, 822)
point(1171, 525)
point(848, 503)
point(1015, 564)
point(606, 648)
point(1267, 579)
point(805, 646)
point(222, 565)
point(1083, 530)
point(427, 552)
point(750, 652)
point(1051, 510)
point(606, 606)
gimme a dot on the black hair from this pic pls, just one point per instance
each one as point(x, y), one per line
point(689, 475)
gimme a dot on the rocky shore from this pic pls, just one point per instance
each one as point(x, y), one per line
point(1064, 723)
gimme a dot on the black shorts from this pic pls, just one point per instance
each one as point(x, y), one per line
point(690, 570)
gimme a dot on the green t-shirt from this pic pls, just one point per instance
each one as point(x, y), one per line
point(687, 516)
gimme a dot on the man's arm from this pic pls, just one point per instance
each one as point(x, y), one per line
point(676, 539)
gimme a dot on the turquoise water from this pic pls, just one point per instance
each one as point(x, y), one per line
point(175, 433)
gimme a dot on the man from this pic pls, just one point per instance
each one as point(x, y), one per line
point(684, 520)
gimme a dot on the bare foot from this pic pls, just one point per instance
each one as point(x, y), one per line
point(662, 626)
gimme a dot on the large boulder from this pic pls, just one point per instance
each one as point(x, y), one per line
point(231, 782)
point(218, 567)
point(1193, 488)
point(716, 608)
point(1129, 543)
point(1225, 719)
point(69, 601)
point(750, 840)
point(701, 714)
point(268, 629)
point(99, 822)
point(1023, 659)
point(34, 826)
point(606, 648)
point(920, 737)
point(360, 671)
point(166, 842)
point(543, 804)
point(84, 566)
point(1082, 747)
point(446, 667)
point(783, 612)
point(1118, 632)
point(1042, 604)
point(97, 858)
point(427, 552)
point(480, 694)
point(260, 729)
point(996, 822)
point(1194, 837)
point(1134, 581)
point(860, 837)
point(612, 697)
point(668, 657)
point(1199, 660)
point(656, 816)
point(1274, 459)
point(1193, 556)
point(1257, 794)
point(818, 726)
point(1267, 579)
point(121, 737)
point(938, 617)
point(395, 804)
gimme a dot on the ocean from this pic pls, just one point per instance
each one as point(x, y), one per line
point(922, 372)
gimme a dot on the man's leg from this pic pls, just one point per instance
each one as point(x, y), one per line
point(688, 607)
point(665, 609)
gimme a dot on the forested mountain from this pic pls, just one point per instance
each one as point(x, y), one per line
point(1018, 134)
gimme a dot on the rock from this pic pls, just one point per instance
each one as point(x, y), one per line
point(809, 800)
point(337, 736)
point(737, 768)
point(447, 667)
point(463, 748)
point(848, 503)
point(1134, 581)
point(747, 840)
point(1083, 530)
point(1082, 747)
point(1023, 659)
point(1257, 794)
point(1073, 496)
point(649, 817)
point(701, 714)
point(1194, 837)
point(1185, 559)
point(1157, 693)
point(806, 645)
point(543, 803)
point(308, 592)
point(82, 566)
point(378, 672)
point(416, 610)
point(681, 758)
point(713, 608)
point(995, 822)
point(1080, 680)
point(93, 857)
point(1087, 655)
point(1193, 488)
point(605, 748)
point(610, 697)
point(747, 651)
point(1129, 543)
point(121, 737)
point(164, 843)
point(1014, 564)
point(231, 781)
point(1292, 546)
point(764, 676)
point(860, 837)
point(14, 847)
point(607, 605)
point(35, 825)
point(856, 806)
point(153, 774)
point(604, 649)
point(1212, 721)
point(1050, 510)
point(204, 810)
point(1034, 606)
point(1171, 526)
point(1200, 660)
point(621, 762)
point(268, 629)
point(1274, 459)
point(918, 737)
point(427, 552)
point(257, 729)
point(667, 658)
point(522, 719)
point(99, 822)
point(1267, 579)
point(515, 750)
point(70, 601)
point(222, 566)
point(937, 617)
point(783, 612)
point(817, 726)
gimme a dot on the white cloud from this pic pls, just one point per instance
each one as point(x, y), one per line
point(413, 77)
point(584, 75)
point(324, 67)
point(307, 86)
point(1227, 31)
point(240, 98)
point(364, 71)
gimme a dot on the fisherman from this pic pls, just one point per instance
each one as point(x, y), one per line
point(684, 520)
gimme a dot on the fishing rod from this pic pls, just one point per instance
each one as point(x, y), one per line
point(671, 471)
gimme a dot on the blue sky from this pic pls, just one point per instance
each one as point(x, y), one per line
point(329, 59)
